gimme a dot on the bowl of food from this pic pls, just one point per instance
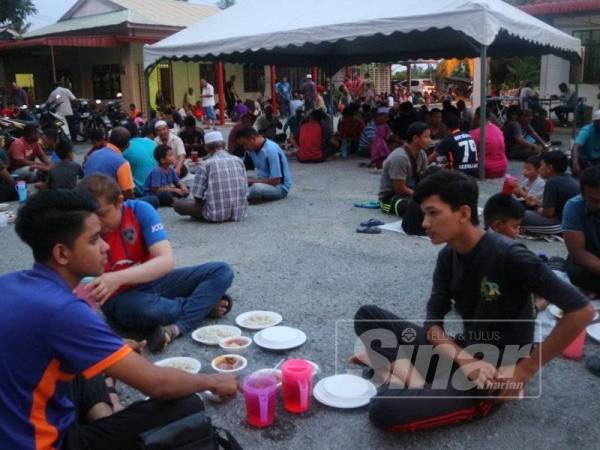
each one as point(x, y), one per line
point(235, 344)
point(231, 363)
point(184, 363)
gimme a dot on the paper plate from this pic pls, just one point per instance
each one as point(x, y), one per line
point(594, 331)
point(258, 320)
point(184, 363)
point(279, 338)
point(212, 334)
point(344, 391)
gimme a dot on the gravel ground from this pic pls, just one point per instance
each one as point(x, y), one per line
point(302, 258)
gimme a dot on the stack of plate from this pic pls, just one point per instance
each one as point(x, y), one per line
point(344, 391)
point(279, 338)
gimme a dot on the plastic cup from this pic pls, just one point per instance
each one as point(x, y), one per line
point(21, 188)
point(510, 183)
point(82, 292)
point(297, 377)
point(194, 156)
point(575, 349)
point(260, 393)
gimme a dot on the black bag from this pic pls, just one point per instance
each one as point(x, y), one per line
point(194, 432)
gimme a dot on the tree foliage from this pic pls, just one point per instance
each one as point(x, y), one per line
point(224, 4)
point(16, 11)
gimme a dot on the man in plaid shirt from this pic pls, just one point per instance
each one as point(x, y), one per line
point(220, 188)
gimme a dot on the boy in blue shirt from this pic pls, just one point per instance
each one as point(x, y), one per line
point(56, 350)
point(163, 181)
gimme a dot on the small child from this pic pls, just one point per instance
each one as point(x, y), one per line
point(163, 181)
point(503, 214)
point(49, 140)
point(530, 189)
point(64, 174)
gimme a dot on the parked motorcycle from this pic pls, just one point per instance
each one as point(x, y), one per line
point(81, 119)
point(115, 112)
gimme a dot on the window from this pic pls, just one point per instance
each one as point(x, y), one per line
point(106, 81)
point(590, 39)
point(208, 71)
point(254, 78)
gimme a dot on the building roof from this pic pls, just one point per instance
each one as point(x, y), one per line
point(559, 7)
point(167, 13)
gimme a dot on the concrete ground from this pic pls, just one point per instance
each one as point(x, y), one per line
point(302, 258)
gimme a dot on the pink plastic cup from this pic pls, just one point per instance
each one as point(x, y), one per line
point(575, 349)
point(510, 183)
point(297, 377)
point(260, 393)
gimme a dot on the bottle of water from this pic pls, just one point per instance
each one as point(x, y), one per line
point(21, 191)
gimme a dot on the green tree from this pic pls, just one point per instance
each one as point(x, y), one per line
point(16, 11)
point(224, 4)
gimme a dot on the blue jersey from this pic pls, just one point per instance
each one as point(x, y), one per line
point(47, 337)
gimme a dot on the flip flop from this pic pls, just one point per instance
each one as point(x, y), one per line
point(369, 204)
point(372, 223)
point(368, 230)
point(214, 315)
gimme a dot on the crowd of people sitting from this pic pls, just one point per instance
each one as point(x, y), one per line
point(106, 226)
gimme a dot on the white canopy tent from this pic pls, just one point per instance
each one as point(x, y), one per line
point(331, 34)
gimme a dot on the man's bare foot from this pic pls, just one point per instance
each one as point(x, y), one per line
point(222, 308)
point(162, 337)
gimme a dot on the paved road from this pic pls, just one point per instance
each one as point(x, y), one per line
point(302, 258)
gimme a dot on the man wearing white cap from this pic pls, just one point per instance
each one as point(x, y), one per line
point(586, 150)
point(220, 188)
point(309, 89)
point(165, 137)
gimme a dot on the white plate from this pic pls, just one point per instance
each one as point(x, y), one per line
point(242, 318)
point(558, 313)
point(4, 207)
point(223, 330)
point(343, 397)
point(594, 331)
point(193, 365)
point(280, 338)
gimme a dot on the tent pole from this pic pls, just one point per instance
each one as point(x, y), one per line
point(483, 111)
point(147, 89)
point(315, 75)
point(273, 93)
point(221, 88)
point(53, 63)
point(408, 81)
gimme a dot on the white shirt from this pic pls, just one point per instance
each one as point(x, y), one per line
point(209, 90)
point(174, 142)
point(65, 97)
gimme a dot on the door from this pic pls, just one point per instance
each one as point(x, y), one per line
point(165, 80)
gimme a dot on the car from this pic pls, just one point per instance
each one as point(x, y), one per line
point(421, 85)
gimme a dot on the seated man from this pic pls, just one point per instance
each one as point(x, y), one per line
point(274, 179)
point(586, 150)
point(56, 350)
point(110, 161)
point(140, 155)
point(568, 102)
point(520, 138)
point(315, 140)
point(267, 124)
point(487, 277)
point(192, 137)
point(27, 157)
point(167, 137)
point(98, 141)
point(581, 230)
point(162, 181)
point(437, 126)
point(558, 190)
point(458, 149)
point(220, 187)
point(503, 214)
point(139, 290)
point(402, 170)
point(530, 189)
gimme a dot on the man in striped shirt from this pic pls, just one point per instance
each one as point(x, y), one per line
point(220, 188)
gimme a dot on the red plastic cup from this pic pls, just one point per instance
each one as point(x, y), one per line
point(575, 349)
point(194, 156)
point(510, 183)
point(260, 393)
point(296, 377)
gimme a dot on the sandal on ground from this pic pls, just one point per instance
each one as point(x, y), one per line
point(368, 230)
point(215, 315)
point(161, 337)
point(369, 204)
point(372, 223)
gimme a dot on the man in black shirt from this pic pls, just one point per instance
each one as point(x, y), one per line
point(489, 280)
point(192, 137)
point(458, 148)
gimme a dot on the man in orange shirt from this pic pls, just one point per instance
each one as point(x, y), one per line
point(24, 154)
